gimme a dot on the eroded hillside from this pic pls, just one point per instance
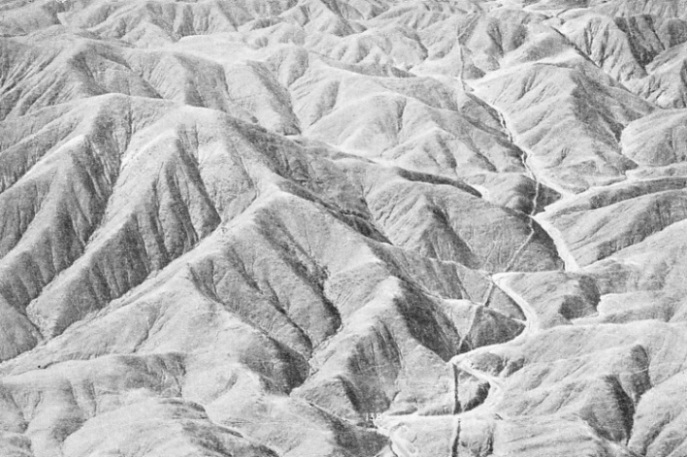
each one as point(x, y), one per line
point(343, 228)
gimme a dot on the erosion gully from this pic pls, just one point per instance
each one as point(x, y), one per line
point(398, 444)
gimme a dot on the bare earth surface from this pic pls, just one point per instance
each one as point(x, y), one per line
point(343, 228)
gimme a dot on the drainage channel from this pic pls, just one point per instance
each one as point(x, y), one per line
point(397, 444)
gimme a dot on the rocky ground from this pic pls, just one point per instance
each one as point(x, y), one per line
point(343, 228)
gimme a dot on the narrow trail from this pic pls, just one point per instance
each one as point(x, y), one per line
point(396, 433)
point(398, 443)
point(524, 158)
point(539, 180)
point(496, 384)
point(531, 323)
point(500, 280)
point(569, 261)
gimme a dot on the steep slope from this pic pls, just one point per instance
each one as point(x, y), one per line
point(342, 228)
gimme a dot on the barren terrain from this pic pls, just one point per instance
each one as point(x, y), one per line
point(343, 228)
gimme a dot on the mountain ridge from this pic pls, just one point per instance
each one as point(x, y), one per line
point(342, 228)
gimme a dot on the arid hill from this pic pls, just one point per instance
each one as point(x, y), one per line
point(343, 228)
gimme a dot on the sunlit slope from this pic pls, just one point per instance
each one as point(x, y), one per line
point(342, 228)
